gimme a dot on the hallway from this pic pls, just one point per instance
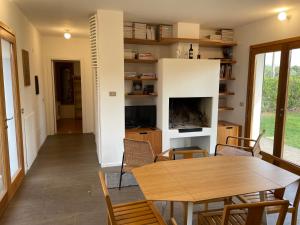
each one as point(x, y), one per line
point(62, 187)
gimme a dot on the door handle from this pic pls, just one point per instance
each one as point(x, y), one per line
point(7, 119)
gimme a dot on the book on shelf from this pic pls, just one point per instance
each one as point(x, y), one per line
point(226, 34)
point(225, 71)
point(214, 37)
point(145, 56)
point(165, 31)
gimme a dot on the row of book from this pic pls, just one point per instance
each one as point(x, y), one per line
point(147, 31)
point(226, 71)
point(145, 75)
point(222, 34)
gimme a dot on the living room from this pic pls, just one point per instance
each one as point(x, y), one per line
point(179, 77)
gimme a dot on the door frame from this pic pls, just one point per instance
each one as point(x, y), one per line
point(284, 46)
point(8, 35)
point(54, 91)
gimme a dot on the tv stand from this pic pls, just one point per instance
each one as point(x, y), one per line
point(153, 135)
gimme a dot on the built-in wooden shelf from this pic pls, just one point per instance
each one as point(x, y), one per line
point(203, 42)
point(226, 93)
point(141, 95)
point(226, 108)
point(142, 61)
point(229, 78)
point(135, 78)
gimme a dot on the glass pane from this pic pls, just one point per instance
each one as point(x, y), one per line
point(264, 105)
point(9, 105)
point(291, 150)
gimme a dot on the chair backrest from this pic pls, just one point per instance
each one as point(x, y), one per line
point(255, 211)
point(286, 166)
point(256, 147)
point(137, 153)
point(187, 154)
point(111, 216)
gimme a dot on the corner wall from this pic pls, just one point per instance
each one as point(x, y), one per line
point(58, 48)
point(33, 118)
point(267, 30)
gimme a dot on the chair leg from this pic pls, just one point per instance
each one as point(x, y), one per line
point(108, 220)
point(294, 218)
point(185, 206)
point(121, 173)
point(171, 210)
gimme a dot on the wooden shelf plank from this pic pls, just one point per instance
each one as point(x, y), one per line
point(203, 42)
point(141, 41)
point(226, 93)
point(142, 95)
point(230, 78)
point(226, 108)
point(140, 61)
point(135, 78)
point(228, 61)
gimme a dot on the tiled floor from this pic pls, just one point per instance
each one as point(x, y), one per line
point(62, 187)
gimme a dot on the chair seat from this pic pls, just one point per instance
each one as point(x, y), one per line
point(215, 217)
point(269, 196)
point(141, 212)
point(231, 151)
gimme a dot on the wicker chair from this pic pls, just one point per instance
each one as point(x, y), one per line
point(136, 154)
point(236, 150)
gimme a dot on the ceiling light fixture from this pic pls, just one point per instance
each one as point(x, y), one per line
point(282, 16)
point(67, 35)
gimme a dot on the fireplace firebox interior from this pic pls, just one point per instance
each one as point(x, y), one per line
point(189, 113)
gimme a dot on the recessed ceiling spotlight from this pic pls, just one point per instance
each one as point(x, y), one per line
point(67, 35)
point(282, 16)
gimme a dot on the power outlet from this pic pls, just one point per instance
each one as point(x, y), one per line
point(242, 104)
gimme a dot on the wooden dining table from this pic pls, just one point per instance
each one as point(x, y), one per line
point(203, 179)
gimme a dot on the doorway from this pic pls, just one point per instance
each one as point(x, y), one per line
point(68, 100)
point(11, 143)
point(274, 97)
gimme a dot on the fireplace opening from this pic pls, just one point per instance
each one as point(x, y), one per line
point(189, 113)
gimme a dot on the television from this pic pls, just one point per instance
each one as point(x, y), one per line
point(140, 116)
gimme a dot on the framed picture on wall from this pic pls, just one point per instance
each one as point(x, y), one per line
point(26, 67)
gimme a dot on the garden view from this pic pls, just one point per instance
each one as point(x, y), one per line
point(270, 83)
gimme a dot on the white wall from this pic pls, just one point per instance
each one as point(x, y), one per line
point(187, 78)
point(111, 75)
point(28, 38)
point(74, 49)
point(258, 32)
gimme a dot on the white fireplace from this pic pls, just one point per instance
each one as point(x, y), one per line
point(187, 105)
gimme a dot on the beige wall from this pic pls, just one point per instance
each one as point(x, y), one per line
point(55, 48)
point(267, 30)
point(33, 119)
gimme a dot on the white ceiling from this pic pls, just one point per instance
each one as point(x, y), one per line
point(54, 16)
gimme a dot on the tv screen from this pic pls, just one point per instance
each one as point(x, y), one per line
point(140, 116)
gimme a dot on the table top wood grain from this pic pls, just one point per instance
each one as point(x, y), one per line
point(200, 179)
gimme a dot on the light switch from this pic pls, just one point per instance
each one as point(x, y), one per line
point(112, 93)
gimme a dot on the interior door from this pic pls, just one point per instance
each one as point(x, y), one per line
point(11, 147)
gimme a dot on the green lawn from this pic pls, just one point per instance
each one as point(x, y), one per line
point(292, 133)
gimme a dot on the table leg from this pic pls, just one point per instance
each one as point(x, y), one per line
point(265, 218)
point(190, 209)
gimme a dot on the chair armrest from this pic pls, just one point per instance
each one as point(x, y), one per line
point(157, 156)
point(173, 221)
point(240, 138)
point(235, 146)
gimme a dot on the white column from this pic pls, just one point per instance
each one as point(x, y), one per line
point(111, 73)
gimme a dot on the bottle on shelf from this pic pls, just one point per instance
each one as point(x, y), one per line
point(191, 54)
